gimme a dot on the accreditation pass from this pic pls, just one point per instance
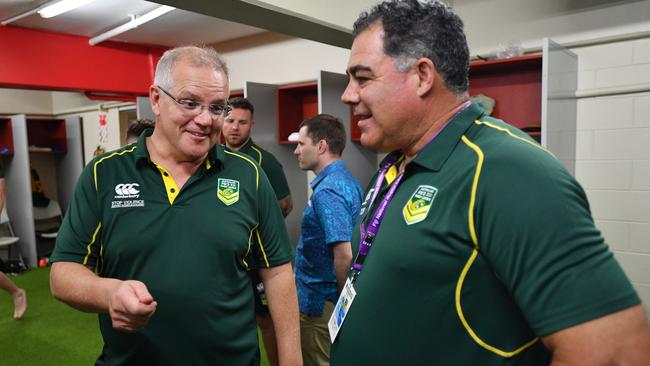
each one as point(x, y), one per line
point(341, 309)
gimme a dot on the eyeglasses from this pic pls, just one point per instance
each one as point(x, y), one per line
point(195, 108)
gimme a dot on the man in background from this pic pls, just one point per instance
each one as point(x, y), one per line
point(160, 235)
point(475, 246)
point(237, 129)
point(323, 253)
point(18, 295)
point(136, 128)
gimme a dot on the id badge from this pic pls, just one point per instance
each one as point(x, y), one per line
point(341, 309)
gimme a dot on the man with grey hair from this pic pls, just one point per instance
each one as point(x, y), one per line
point(160, 234)
point(475, 246)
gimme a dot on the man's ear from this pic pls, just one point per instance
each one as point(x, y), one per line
point(426, 73)
point(154, 98)
point(322, 147)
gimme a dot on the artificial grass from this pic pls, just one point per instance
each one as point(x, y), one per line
point(50, 332)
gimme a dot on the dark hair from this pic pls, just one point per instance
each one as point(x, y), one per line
point(137, 126)
point(422, 28)
point(329, 128)
point(242, 103)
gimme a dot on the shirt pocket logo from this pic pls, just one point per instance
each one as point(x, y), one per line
point(228, 191)
point(417, 207)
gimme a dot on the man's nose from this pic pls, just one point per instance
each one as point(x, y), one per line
point(350, 94)
point(204, 117)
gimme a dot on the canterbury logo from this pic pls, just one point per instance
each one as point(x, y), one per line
point(127, 189)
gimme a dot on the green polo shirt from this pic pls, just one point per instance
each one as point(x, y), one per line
point(487, 244)
point(271, 167)
point(191, 247)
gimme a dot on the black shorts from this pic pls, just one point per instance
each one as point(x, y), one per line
point(261, 303)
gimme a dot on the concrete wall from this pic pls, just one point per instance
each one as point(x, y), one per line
point(612, 158)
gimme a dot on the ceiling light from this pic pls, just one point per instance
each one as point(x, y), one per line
point(61, 7)
point(134, 23)
point(19, 16)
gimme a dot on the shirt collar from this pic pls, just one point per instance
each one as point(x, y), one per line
point(329, 169)
point(248, 143)
point(436, 153)
point(216, 154)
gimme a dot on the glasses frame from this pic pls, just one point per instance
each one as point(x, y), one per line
point(223, 110)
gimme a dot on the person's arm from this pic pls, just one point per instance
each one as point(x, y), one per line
point(280, 291)
point(275, 173)
point(342, 259)
point(286, 205)
point(129, 303)
point(621, 338)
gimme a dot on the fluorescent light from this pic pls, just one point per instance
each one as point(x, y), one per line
point(19, 16)
point(61, 7)
point(131, 25)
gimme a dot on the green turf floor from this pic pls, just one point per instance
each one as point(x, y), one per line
point(50, 333)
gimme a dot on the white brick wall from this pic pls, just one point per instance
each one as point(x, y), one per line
point(613, 153)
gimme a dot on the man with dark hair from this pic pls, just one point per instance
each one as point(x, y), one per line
point(160, 235)
point(323, 253)
point(136, 128)
point(456, 261)
point(237, 129)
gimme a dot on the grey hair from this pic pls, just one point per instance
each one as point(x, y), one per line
point(198, 56)
point(422, 28)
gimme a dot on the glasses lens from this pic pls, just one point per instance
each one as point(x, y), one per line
point(218, 110)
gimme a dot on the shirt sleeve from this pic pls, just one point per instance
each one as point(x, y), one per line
point(273, 247)
point(535, 228)
point(79, 238)
point(333, 212)
point(275, 173)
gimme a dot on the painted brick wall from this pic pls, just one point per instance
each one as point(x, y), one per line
point(613, 152)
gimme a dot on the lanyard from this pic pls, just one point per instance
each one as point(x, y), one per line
point(368, 234)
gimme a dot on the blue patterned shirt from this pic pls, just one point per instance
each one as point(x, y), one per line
point(328, 218)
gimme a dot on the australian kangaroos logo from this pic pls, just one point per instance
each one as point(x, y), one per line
point(228, 191)
point(417, 207)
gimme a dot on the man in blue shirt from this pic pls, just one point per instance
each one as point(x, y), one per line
point(323, 254)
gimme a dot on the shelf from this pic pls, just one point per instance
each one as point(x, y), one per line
point(516, 86)
point(6, 137)
point(46, 135)
point(295, 103)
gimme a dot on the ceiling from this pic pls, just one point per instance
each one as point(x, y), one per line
point(178, 27)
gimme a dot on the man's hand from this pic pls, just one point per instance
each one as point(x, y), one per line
point(129, 303)
point(131, 306)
